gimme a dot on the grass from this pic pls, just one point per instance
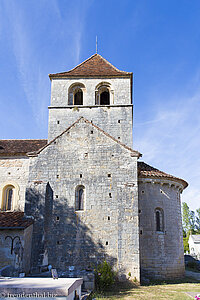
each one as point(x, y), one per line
point(175, 290)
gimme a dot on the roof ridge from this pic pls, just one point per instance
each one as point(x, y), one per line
point(85, 120)
point(112, 64)
point(80, 64)
point(88, 66)
point(23, 139)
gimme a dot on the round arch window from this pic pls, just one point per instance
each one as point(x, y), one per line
point(8, 198)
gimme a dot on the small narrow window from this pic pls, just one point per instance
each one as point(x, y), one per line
point(56, 196)
point(81, 175)
point(109, 175)
point(157, 221)
point(118, 121)
point(110, 195)
point(79, 195)
point(57, 218)
point(159, 218)
point(118, 137)
point(106, 243)
point(58, 122)
point(108, 218)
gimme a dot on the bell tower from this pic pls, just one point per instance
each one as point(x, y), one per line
point(96, 90)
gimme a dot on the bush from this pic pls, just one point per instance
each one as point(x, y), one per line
point(104, 276)
point(193, 265)
point(185, 244)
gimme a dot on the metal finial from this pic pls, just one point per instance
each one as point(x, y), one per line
point(96, 44)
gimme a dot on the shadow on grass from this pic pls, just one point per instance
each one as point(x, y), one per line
point(118, 289)
point(122, 289)
point(185, 279)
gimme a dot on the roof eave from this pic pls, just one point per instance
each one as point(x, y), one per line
point(63, 76)
point(178, 180)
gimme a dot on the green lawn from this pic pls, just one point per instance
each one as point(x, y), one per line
point(155, 291)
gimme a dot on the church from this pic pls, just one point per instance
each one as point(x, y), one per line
point(84, 195)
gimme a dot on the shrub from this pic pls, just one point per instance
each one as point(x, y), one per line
point(193, 265)
point(104, 276)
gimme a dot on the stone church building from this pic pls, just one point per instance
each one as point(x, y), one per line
point(83, 196)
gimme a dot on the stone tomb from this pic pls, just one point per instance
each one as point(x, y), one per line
point(20, 288)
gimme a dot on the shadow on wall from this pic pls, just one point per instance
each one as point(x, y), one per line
point(60, 234)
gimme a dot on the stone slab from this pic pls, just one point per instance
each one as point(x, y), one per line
point(47, 286)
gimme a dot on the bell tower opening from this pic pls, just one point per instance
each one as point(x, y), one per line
point(78, 97)
point(105, 98)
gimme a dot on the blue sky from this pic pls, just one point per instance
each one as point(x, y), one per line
point(159, 41)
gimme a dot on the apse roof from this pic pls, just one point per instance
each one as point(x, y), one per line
point(94, 66)
point(145, 170)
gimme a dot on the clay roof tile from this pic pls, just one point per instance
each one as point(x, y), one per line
point(20, 147)
point(95, 65)
point(14, 220)
point(145, 170)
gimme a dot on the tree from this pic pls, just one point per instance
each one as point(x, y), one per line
point(186, 218)
point(198, 220)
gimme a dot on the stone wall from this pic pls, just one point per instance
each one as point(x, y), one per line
point(20, 260)
point(161, 253)
point(14, 170)
point(115, 119)
point(108, 226)
point(121, 88)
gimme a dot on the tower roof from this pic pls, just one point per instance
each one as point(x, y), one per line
point(94, 66)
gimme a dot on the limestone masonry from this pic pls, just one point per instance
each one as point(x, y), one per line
point(82, 195)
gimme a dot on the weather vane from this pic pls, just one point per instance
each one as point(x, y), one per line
point(96, 44)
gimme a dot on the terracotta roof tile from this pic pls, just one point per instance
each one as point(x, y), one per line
point(20, 147)
point(96, 65)
point(15, 219)
point(144, 170)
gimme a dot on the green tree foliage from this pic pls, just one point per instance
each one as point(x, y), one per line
point(186, 217)
point(189, 219)
point(198, 220)
point(191, 224)
point(185, 244)
point(104, 276)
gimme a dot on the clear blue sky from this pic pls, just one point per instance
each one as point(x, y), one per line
point(159, 41)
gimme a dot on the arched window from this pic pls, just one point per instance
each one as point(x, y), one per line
point(79, 197)
point(76, 93)
point(8, 198)
point(78, 97)
point(103, 94)
point(105, 98)
point(159, 218)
